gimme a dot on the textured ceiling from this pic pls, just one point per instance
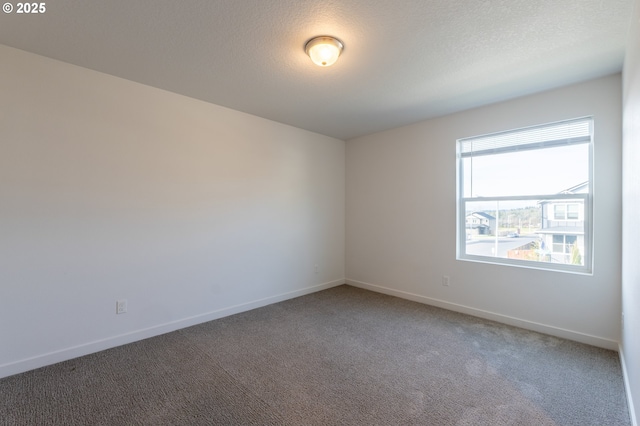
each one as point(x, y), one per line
point(404, 61)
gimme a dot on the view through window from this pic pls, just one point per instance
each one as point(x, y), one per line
point(524, 196)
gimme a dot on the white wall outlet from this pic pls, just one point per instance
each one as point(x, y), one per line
point(316, 269)
point(445, 280)
point(121, 306)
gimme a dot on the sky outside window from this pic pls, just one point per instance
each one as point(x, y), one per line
point(532, 172)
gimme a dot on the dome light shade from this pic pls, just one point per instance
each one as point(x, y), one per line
point(324, 50)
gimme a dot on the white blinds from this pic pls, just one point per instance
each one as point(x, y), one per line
point(545, 136)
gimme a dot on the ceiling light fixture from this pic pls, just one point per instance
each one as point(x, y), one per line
point(324, 50)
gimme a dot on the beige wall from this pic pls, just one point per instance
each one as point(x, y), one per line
point(114, 190)
point(631, 206)
point(401, 219)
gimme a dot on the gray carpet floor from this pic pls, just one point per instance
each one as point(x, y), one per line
point(343, 356)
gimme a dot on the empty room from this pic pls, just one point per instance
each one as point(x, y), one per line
point(279, 212)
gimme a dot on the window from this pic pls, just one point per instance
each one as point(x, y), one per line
point(563, 243)
point(573, 211)
point(524, 196)
point(560, 211)
point(566, 211)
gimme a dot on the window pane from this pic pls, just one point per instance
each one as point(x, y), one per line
point(573, 211)
point(558, 243)
point(536, 172)
point(558, 211)
point(523, 230)
point(500, 229)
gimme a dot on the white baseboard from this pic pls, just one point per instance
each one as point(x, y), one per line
point(627, 388)
point(529, 325)
point(99, 345)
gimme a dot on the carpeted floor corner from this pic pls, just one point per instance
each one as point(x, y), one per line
point(343, 356)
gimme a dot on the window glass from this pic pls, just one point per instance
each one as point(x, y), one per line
point(544, 171)
point(573, 211)
point(524, 196)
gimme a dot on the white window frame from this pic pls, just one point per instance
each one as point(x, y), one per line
point(587, 213)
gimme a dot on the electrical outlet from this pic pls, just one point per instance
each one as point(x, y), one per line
point(316, 269)
point(445, 280)
point(121, 306)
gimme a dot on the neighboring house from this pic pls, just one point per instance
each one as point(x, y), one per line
point(562, 228)
point(480, 223)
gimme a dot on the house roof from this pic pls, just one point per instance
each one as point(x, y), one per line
point(403, 61)
point(482, 214)
point(578, 189)
point(573, 230)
